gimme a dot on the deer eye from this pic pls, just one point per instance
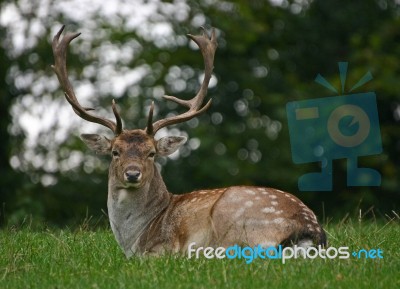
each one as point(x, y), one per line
point(152, 154)
point(115, 153)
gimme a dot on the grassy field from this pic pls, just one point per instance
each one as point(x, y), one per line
point(91, 259)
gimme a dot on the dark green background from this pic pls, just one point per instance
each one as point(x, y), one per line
point(254, 36)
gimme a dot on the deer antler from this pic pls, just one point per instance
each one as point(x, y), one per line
point(207, 47)
point(60, 68)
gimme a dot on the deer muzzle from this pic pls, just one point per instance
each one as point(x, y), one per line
point(133, 175)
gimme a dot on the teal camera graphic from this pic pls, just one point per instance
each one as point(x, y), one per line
point(328, 128)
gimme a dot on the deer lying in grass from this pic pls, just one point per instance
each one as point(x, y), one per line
point(146, 218)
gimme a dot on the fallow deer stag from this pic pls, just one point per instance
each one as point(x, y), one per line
point(146, 218)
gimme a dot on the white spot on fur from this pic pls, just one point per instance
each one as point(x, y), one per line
point(262, 191)
point(250, 192)
point(280, 191)
point(279, 212)
point(293, 200)
point(248, 204)
point(193, 200)
point(236, 198)
point(310, 227)
point(268, 210)
point(272, 196)
point(257, 198)
point(279, 220)
point(239, 213)
point(254, 222)
point(274, 203)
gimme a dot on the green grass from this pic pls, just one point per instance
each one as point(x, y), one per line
point(87, 259)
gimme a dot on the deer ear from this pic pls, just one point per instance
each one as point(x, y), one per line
point(168, 145)
point(100, 144)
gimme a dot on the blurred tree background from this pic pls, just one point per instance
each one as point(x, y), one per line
point(135, 51)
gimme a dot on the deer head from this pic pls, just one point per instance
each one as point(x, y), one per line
point(133, 151)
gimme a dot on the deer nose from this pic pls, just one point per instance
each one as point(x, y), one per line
point(133, 176)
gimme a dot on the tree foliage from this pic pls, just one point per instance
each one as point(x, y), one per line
point(269, 54)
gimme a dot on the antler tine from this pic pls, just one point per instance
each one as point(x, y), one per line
point(149, 129)
point(207, 47)
point(60, 68)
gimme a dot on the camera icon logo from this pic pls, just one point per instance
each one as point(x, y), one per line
point(358, 117)
point(343, 126)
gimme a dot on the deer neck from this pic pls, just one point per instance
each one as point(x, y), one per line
point(131, 210)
